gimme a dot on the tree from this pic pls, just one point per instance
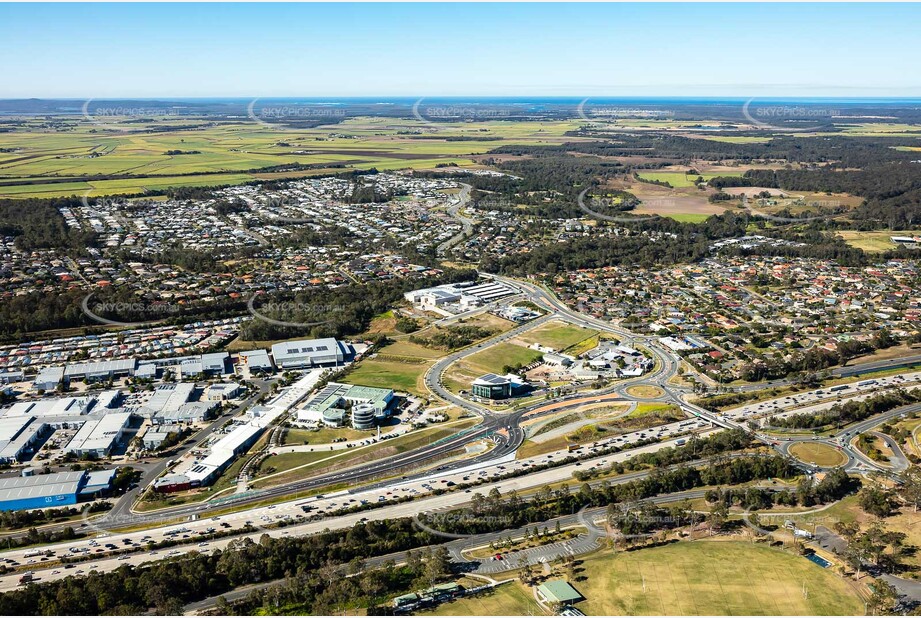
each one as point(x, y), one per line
point(875, 501)
point(719, 512)
point(910, 490)
point(883, 599)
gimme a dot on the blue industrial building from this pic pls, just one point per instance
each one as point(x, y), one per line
point(50, 490)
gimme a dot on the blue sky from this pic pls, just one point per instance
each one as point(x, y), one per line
point(266, 50)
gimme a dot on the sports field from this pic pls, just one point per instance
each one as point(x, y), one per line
point(701, 578)
point(874, 242)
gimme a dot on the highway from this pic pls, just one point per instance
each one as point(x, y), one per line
point(406, 475)
point(104, 560)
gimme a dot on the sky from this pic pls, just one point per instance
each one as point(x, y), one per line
point(280, 50)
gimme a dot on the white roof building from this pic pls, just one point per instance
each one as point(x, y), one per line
point(98, 436)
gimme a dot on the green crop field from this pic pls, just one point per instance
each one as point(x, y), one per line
point(689, 579)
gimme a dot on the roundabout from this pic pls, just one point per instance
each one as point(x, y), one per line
point(818, 453)
point(645, 391)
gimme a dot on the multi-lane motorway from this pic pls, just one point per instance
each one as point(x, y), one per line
point(411, 474)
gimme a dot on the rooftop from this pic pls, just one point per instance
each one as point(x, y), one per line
point(559, 591)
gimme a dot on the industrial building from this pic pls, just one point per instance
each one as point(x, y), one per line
point(108, 400)
point(168, 398)
point(223, 392)
point(222, 454)
point(9, 377)
point(100, 370)
point(257, 361)
point(187, 413)
point(97, 436)
point(155, 436)
point(492, 386)
point(58, 407)
point(309, 353)
point(459, 296)
point(172, 483)
point(52, 490)
point(48, 378)
point(18, 435)
point(207, 364)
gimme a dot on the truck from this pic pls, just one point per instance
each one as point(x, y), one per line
point(26, 578)
point(840, 387)
point(34, 553)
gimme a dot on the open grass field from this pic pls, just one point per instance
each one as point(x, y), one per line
point(712, 578)
point(685, 203)
point(558, 335)
point(698, 578)
point(495, 357)
point(407, 349)
point(491, 360)
point(400, 375)
point(874, 242)
point(230, 152)
point(324, 436)
point(818, 454)
point(681, 179)
point(511, 599)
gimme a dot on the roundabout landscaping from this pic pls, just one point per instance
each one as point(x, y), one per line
point(645, 391)
point(818, 454)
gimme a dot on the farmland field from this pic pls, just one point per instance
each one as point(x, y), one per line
point(232, 152)
point(679, 179)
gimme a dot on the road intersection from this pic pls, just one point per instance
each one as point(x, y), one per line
point(390, 483)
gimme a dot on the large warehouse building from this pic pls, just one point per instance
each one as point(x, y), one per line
point(223, 453)
point(52, 490)
point(97, 436)
point(309, 353)
point(18, 434)
point(44, 490)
